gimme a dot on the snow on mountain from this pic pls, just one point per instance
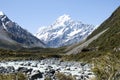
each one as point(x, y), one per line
point(64, 31)
point(1, 13)
point(12, 32)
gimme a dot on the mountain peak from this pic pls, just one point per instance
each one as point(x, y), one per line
point(60, 21)
point(64, 31)
point(1, 13)
point(64, 17)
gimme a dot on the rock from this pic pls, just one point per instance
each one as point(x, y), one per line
point(10, 69)
point(52, 71)
point(83, 64)
point(67, 68)
point(49, 73)
point(58, 69)
point(2, 69)
point(48, 68)
point(27, 64)
point(34, 64)
point(29, 71)
point(36, 75)
point(82, 77)
point(90, 73)
point(67, 73)
point(86, 76)
point(22, 69)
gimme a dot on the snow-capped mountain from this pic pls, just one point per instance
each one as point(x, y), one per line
point(12, 34)
point(64, 31)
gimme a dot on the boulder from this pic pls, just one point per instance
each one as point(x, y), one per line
point(10, 69)
point(36, 74)
point(2, 69)
point(22, 69)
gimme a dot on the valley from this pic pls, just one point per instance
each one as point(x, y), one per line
point(65, 50)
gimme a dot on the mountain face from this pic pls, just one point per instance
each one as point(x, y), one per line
point(105, 38)
point(12, 35)
point(64, 31)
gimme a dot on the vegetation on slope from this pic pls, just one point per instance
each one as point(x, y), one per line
point(107, 23)
point(107, 67)
point(104, 52)
point(31, 54)
point(109, 40)
point(106, 63)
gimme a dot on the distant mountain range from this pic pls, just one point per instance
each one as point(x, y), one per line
point(64, 31)
point(13, 36)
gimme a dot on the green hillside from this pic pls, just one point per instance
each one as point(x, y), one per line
point(103, 52)
point(107, 23)
point(110, 40)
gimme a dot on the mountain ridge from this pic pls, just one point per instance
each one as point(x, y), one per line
point(14, 34)
point(110, 39)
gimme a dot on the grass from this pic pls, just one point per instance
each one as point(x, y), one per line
point(83, 56)
point(114, 18)
point(61, 76)
point(42, 50)
point(106, 63)
point(29, 55)
point(107, 67)
point(110, 39)
point(17, 76)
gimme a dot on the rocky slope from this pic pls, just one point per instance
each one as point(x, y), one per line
point(79, 48)
point(13, 36)
point(64, 31)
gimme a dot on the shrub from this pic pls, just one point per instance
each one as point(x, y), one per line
point(107, 67)
point(61, 76)
point(18, 76)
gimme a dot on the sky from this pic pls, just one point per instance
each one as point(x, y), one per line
point(31, 14)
